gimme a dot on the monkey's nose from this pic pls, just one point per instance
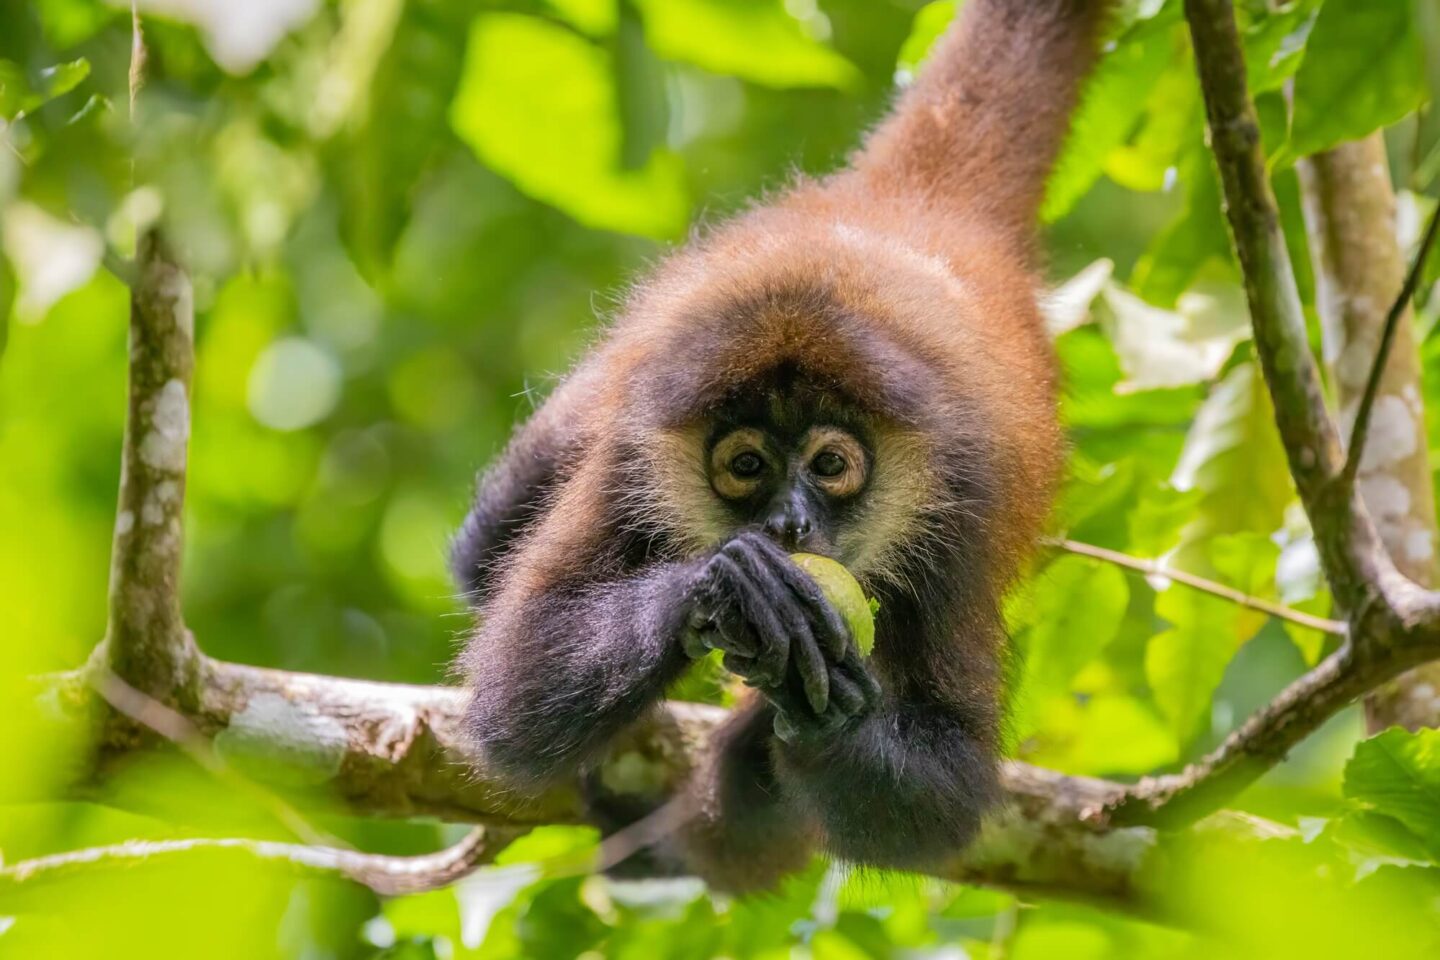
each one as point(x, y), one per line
point(787, 529)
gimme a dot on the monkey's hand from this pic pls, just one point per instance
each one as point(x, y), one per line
point(780, 633)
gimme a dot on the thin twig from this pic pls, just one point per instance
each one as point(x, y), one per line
point(1153, 569)
point(386, 875)
point(1361, 429)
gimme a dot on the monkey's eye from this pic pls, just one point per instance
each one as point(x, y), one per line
point(747, 465)
point(828, 463)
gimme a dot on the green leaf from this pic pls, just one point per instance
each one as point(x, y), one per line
point(1233, 457)
point(561, 142)
point(1173, 123)
point(408, 88)
point(1363, 70)
point(756, 40)
point(18, 97)
point(1397, 773)
point(1194, 245)
point(1111, 106)
point(1275, 45)
point(930, 21)
point(598, 18)
point(1078, 604)
point(1105, 735)
point(1185, 663)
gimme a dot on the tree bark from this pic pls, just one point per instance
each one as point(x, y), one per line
point(1359, 268)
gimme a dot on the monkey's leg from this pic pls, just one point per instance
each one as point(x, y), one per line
point(745, 835)
point(904, 787)
point(738, 834)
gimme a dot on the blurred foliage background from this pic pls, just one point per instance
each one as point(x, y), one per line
point(403, 219)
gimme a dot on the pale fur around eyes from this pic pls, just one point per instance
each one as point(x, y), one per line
point(891, 509)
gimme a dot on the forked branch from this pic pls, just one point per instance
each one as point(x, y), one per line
point(397, 750)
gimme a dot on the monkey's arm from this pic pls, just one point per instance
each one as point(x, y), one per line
point(511, 492)
point(557, 672)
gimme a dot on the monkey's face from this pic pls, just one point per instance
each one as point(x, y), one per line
point(800, 487)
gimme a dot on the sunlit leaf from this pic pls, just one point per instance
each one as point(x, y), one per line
point(1103, 735)
point(1363, 69)
point(596, 17)
point(407, 86)
point(1194, 245)
point(1112, 103)
point(757, 40)
point(1275, 45)
point(930, 21)
point(558, 141)
point(1397, 773)
point(1185, 663)
point(1076, 608)
point(1171, 348)
point(18, 97)
point(1233, 457)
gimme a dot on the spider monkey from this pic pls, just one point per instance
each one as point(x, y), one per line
point(856, 369)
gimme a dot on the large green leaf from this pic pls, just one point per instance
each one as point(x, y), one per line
point(1363, 69)
point(929, 23)
point(1398, 774)
point(407, 88)
point(1194, 245)
point(1233, 457)
point(1076, 607)
point(757, 40)
point(1185, 663)
point(1112, 104)
point(539, 104)
point(19, 97)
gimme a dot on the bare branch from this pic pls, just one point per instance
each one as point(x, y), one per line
point(1152, 569)
point(1343, 532)
point(1350, 218)
point(385, 875)
point(1398, 309)
point(156, 716)
point(145, 642)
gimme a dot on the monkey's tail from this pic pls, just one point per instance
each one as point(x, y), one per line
point(983, 123)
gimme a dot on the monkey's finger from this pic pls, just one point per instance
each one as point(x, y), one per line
point(694, 643)
point(784, 729)
point(814, 672)
point(725, 608)
point(829, 626)
point(772, 656)
point(781, 601)
point(846, 695)
point(857, 670)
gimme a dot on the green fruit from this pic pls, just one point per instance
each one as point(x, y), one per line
point(842, 590)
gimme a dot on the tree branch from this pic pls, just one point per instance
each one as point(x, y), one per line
point(385, 875)
point(1398, 309)
point(1350, 219)
point(1152, 569)
point(146, 643)
point(399, 750)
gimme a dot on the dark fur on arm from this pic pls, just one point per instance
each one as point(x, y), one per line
point(558, 673)
point(511, 493)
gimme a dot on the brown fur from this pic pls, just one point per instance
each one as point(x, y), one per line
point(902, 287)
